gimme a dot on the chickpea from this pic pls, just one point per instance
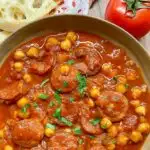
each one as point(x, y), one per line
point(105, 123)
point(91, 103)
point(121, 88)
point(33, 52)
point(8, 147)
point(65, 45)
point(113, 131)
point(136, 136)
point(18, 66)
point(71, 36)
point(106, 67)
point(19, 54)
point(111, 146)
point(27, 78)
point(64, 69)
point(131, 75)
point(142, 119)
point(49, 132)
point(22, 102)
point(23, 115)
point(136, 92)
point(135, 103)
point(140, 110)
point(1, 133)
point(121, 79)
point(144, 128)
point(94, 92)
point(122, 140)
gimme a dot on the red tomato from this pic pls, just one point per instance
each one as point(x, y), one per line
point(138, 25)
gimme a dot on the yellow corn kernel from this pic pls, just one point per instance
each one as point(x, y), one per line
point(121, 88)
point(65, 45)
point(1, 133)
point(111, 146)
point(122, 140)
point(22, 102)
point(33, 52)
point(49, 132)
point(19, 54)
point(65, 69)
point(94, 92)
point(136, 136)
point(140, 110)
point(71, 36)
point(105, 123)
point(91, 103)
point(18, 66)
point(142, 119)
point(136, 92)
point(113, 131)
point(8, 147)
point(27, 78)
point(135, 103)
point(144, 128)
point(23, 115)
point(121, 79)
point(107, 67)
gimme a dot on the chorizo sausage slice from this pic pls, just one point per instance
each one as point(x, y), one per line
point(92, 60)
point(113, 105)
point(27, 133)
point(65, 82)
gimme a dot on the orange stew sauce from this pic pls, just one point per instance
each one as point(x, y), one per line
point(72, 91)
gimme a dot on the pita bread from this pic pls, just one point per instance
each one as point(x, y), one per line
point(17, 13)
point(3, 35)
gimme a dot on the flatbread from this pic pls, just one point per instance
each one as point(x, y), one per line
point(4, 35)
point(17, 13)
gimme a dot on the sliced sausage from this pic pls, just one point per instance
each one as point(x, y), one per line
point(86, 124)
point(41, 67)
point(63, 141)
point(113, 105)
point(92, 60)
point(27, 133)
point(58, 79)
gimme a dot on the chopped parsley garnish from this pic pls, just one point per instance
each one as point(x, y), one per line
point(51, 126)
point(80, 141)
point(115, 78)
point(57, 97)
point(44, 82)
point(57, 113)
point(126, 86)
point(104, 126)
point(71, 99)
point(25, 108)
point(77, 131)
point(114, 141)
point(96, 121)
point(82, 83)
point(70, 62)
point(65, 84)
point(91, 136)
point(43, 96)
point(51, 104)
point(35, 105)
point(66, 121)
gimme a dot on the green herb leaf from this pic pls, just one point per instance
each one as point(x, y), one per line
point(65, 84)
point(51, 126)
point(70, 62)
point(114, 141)
point(44, 82)
point(57, 97)
point(80, 141)
point(96, 121)
point(126, 86)
point(104, 126)
point(24, 109)
point(43, 96)
point(57, 113)
point(115, 78)
point(71, 99)
point(66, 121)
point(51, 104)
point(82, 83)
point(77, 131)
point(91, 136)
point(35, 105)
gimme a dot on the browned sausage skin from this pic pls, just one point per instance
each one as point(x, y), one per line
point(27, 133)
